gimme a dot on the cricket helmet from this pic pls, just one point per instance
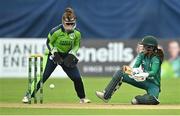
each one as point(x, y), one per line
point(149, 41)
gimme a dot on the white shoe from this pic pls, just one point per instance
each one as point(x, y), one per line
point(84, 100)
point(134, 101)
point(25, 99)
point(101, 96)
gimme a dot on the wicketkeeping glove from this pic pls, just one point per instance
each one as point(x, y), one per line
point(70, 61)
point(56, 57)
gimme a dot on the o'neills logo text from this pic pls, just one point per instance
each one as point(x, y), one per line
point(113, 52)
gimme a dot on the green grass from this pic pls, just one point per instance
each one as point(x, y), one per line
point(12, 91)
point(46, 111)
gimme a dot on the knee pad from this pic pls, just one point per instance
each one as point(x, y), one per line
point(145, 99)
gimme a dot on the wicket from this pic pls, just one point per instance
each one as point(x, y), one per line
point(33, 64)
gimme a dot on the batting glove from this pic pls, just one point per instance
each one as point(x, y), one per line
point(140, 77)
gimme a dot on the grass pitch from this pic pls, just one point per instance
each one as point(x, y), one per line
point(62, 99)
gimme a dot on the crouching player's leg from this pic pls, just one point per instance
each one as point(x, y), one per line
point(150, 98)
point(113, 85)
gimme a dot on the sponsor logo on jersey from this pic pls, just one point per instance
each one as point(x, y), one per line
point(72, 35)
point(65, 42)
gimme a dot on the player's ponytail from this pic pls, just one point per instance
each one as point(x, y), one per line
point(69, 11)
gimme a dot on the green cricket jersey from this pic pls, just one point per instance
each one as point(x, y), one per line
point(64, 42)
point(151, 65)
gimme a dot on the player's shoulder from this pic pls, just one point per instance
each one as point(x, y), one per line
point(156, 58)
point(77, 29)
point(141, 54)
point(77, 32)
point(53, 30)
point(139, 57)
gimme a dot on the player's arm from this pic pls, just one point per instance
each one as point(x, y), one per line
point(71, 60)
point(76, 45)
point(138, 73)
point(138, 60)
point(55, 56)
point(51, 39)
point(48, 43)
point(131, 71)
point(155, 67)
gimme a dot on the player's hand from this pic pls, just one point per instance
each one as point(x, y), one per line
point(137, 70)
point(54, 50)
point(70, 61)
point(140, 77)
point(56, 57)
point(127, 69)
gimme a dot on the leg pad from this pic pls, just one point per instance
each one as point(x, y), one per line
point(114, 84)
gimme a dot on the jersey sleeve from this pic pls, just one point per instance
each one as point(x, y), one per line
point(155, 67)
point(76, 45)
point(138, 61)
point(51, 38)
point(48, 43)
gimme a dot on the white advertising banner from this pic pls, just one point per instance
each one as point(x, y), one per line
point(96, 57)
point(14, 55)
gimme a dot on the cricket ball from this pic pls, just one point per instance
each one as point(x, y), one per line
point(51, 86)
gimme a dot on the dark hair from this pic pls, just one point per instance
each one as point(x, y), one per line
point(160, 54)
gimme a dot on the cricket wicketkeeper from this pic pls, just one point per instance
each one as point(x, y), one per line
point(145, 74)
point(63, 43)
